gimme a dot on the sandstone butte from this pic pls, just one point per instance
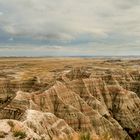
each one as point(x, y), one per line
point(76, 102)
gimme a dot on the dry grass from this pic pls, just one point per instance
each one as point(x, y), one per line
point(86, 136)
point(17, 130)
point(29, 67)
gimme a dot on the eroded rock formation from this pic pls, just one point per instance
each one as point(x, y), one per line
point(81, 99)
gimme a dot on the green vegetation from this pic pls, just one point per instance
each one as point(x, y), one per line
point(20, 134)
point(17, 133)
point(138, 137)
point(85, 136)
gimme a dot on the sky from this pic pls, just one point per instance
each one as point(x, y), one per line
point(69, 27)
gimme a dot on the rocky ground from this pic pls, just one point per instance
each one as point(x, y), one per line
point(69, 98)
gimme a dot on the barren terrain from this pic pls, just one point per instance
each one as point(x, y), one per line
point(69, 98)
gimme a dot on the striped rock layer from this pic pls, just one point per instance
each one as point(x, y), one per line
point(100, 102)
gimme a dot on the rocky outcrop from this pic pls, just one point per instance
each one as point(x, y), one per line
point(35, 125)
point(6, 93)
point(99, 101)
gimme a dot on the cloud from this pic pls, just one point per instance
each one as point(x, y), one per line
point(65, 20)
point(91, 49)
point(104, 23)
point(126, 4)
point(11, 39)
point(1, 13)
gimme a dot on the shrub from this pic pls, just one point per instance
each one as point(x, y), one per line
point(20, 134)
point(138, 137)
point(85, 136)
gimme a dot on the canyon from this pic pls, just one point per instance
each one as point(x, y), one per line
point(69, 98)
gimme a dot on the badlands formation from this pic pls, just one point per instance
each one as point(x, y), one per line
point(69, 99)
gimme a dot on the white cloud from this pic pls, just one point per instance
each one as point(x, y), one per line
point(1, 13)
point(11, 39)
point(111, 26)
point(90, 50)
point(68, 19)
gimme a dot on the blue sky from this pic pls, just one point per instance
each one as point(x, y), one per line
point(69, 27)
